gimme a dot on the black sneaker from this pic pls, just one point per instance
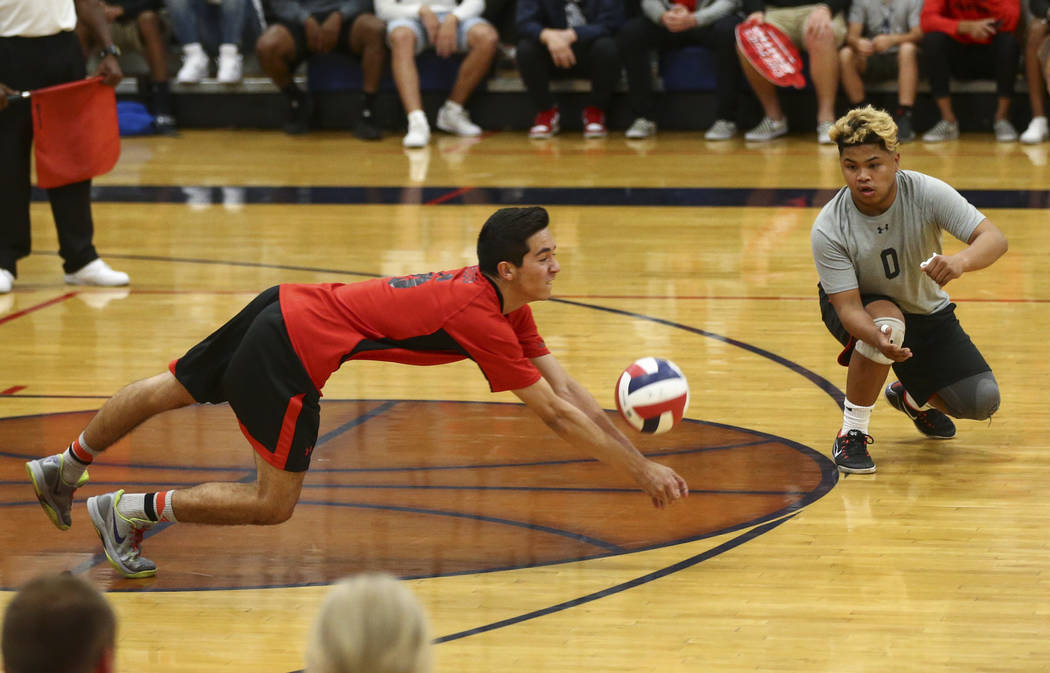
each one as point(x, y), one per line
point(930, 422)
point(905, 131)
point(850, 452)
point(300, 111)
point(366, 128)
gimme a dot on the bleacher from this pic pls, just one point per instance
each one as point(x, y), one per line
point(684, 78)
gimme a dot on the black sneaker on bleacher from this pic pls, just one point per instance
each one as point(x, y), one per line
point(930, 422)
point(300, 112)
point(850, 452)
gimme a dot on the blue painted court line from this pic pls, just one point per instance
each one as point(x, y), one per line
point(510, 196)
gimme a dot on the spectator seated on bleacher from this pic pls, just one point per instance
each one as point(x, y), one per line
point(305, 27)
point(449, 27)
point(819, 30)
point(136, 27)
point(970, 39)
point(672, 25)
point(574, 38)
point(1037, 71)
point(882, 43)
point(226, 23)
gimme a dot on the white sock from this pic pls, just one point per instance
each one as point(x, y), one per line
point(77, 457)
point(132, 506)
point(147, 506)
point(230, 49)
point(420, 116)
point(453, 105)
point(192, 48)
point(855, 417)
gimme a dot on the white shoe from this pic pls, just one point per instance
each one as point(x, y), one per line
point(194, 65)
point(231, 64)
point(6, 280)
point(97, 273)
point(418, 130)
point(722, 129)
point(767, 129)
point(1004, 131)
point(942, 131)
point(824, 133)
point(454, 119)
point(1037, 132)
point(641, 128)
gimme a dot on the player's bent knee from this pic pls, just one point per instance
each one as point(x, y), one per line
point(976, 398)
point(894, 329)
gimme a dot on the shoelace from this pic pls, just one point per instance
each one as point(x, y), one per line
point(856, 444)
point(136, 540)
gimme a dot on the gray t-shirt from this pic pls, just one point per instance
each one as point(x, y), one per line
point(885, 17)
point(881, 254)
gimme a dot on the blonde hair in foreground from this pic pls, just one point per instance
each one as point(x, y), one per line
point(861, 126)
point(370, 623)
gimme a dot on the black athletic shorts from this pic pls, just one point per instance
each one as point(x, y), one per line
point(302, 52)
point(942, 353)
point(250, 363)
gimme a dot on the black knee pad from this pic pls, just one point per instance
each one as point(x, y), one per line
point(975, 397)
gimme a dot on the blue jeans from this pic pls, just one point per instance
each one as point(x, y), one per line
point(231, 22)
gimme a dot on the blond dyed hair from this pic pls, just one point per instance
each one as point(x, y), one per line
point(863, 126)
point(370, 623)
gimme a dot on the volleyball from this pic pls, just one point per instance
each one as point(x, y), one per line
point(652, 395)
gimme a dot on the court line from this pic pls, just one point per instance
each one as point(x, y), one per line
point(37, 307)
point(617, 588)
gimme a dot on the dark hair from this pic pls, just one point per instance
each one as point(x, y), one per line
point(505, 235)
point(63, 607)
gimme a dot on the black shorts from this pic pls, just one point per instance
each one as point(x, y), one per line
point(302, 52)
point(250, 363)
point(942, 353)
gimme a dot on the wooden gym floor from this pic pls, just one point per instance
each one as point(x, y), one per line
point(529, 556)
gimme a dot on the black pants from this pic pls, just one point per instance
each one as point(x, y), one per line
point(28, 63)
point(597, 60)
point(640, 35)
point(945, 56)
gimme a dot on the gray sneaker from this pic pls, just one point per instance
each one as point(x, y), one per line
point(767, 129)
point(722, 129)
point(641, 128)
point(824, 133)
point(1004, 131)
point(941, 131)
point(120, 537)
point(55, 495)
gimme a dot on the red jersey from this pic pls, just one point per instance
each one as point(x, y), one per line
point(943, 16)
point(424, 319)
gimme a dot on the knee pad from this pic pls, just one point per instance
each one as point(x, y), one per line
point(975, 397)
point(891, 327)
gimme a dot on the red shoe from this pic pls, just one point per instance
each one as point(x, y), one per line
point(546, 123)
point(594, 123)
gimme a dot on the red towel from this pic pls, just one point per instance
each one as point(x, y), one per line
point(76, 132)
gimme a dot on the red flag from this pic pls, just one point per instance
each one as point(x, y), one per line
point(76, 132)
point(774, 56)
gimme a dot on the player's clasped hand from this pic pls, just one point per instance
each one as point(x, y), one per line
point(663, 485)
point(943, 269)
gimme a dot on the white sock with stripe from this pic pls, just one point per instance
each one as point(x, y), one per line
point(855, 417)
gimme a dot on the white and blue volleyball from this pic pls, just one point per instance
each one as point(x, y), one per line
point(652, 395)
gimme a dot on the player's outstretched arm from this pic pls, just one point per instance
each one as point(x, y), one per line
point(659, 482)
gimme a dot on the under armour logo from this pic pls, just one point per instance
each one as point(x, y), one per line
point(882, 228)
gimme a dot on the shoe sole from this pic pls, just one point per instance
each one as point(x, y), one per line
point(40, 495)
point(456, 133)
point(856, 470)
point(98, 523)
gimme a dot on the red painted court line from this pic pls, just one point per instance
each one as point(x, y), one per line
point(451, 195)
point(49, 302)
point(12, 390)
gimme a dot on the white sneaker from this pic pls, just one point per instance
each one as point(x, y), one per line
point(231, 64)
point(722, 129)
point(941, 131)
point(97, 273)
point(1037, 131)
point(455, 119)
point(767, 129)
point(1004, 131)
point(641, 128)
point(194, 65)
point(418, 130)
point(824, 133)
point(6, 280)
